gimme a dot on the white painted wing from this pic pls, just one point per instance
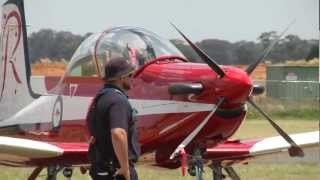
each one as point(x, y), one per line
point(30, 149)
point(272, 148)
point(275, 144)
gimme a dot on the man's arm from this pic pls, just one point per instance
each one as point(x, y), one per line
point(120, 146)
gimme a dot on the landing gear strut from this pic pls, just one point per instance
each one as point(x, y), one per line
point(195, 168)
point(217, 172)
point(232, 173)
point(55, 169)
point(35, 173)
point(195, 165)
point(52, 171)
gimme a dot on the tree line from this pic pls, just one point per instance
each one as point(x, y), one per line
point(57, 45)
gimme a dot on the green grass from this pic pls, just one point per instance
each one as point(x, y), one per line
point(296, 113)
point(292, 171)
point(283, 110)
point(248, 172)
point(261, 128)
point(249, 129)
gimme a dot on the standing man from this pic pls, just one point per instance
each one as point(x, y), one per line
point(114, 144)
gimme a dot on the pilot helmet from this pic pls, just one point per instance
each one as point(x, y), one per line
point(118, 67)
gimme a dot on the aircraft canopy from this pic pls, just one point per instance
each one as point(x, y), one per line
point(136, 44)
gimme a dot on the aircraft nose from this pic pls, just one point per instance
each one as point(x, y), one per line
point(239, 85)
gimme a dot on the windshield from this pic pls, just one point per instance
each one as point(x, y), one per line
point(136, 44)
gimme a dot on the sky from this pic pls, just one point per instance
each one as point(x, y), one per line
point(199, 19)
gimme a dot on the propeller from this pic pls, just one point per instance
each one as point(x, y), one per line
point(294, 150)
point(193, 134)
point(212, 64)
point(253, 65)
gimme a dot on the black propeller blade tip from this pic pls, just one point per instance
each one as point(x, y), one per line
point(295, 152)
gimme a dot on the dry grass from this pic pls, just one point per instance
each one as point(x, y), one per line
point(45, 67)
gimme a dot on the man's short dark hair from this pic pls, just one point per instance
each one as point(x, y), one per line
point(117, 67)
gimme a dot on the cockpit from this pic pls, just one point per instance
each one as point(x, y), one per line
point(136, 44)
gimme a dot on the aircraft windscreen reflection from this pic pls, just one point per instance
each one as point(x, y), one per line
point(136, 44)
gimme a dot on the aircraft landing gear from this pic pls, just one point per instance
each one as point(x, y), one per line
point(52, 171)
point(217, 171)
point(55, 169)
point(218, 175)
point(67, 172)
point(35, 173)
point(195, 165)
point(232, 173)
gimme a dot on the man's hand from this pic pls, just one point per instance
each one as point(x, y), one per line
point(124, 172)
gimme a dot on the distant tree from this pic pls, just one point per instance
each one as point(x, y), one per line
point(266, 38)
point(48, 43)
point(86, 35)
point(66, 43)
point(295, 48)
point(246, 52)
point(186, 50)
point(291, 47)
point(314, 52)
point(57, 45)
point(223, 52)
point(39, 44)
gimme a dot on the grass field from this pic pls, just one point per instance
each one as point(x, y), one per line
point(250, 129)
point(294, 171)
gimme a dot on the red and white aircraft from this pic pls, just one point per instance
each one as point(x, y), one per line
point(186, 111)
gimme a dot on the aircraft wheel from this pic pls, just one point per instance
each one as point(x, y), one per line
point(192, 171)
point(52, 177)
point(67, 172)
point(56, 115)
point(52, 172)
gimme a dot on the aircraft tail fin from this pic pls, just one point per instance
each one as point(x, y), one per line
point(15, 71)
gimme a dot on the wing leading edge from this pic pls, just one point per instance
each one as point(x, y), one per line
point(24, 152)
point(232, 152)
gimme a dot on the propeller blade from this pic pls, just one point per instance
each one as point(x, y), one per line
point(294, 150)
point(193, 134)
point(252, 66)
point(212, 64)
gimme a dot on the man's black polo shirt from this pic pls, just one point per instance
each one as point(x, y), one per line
point(114, 111)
